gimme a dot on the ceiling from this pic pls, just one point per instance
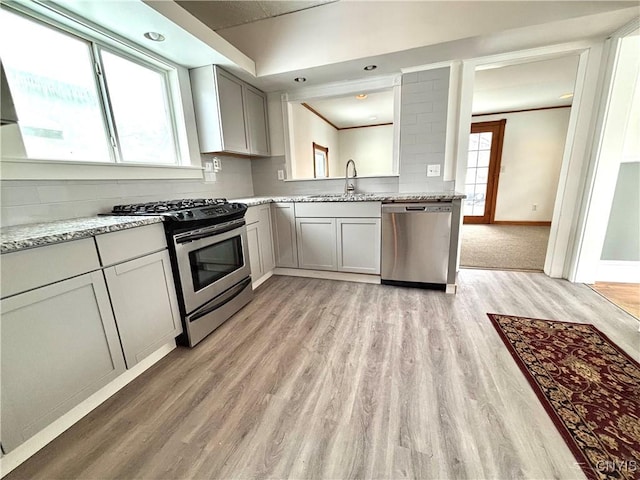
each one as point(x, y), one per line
point(332, 41)
point(346, 112)
point(527, 85)
point(224, 14)
point(516, 87)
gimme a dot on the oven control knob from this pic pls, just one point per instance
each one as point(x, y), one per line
point(189, 213)
point(179, 215)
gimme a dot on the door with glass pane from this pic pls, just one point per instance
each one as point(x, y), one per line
point(483, 170)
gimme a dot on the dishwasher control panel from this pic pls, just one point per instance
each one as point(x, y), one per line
point(429, 209)
point(417, 208)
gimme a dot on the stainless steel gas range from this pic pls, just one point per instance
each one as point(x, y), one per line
point(207, 242)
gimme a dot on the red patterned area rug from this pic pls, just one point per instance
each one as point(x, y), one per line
point(589, 387)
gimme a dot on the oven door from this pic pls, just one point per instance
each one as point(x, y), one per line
point(211, 260)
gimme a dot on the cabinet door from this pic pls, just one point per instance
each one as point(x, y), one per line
point(232, 113)
point(266, 238)
point(284, 235)
point(144, 301)
point(257, 123)
point(59, 345)
point(255, 259)
point(317, 243)
point(358, 245)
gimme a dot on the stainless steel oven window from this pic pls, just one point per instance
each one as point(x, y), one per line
point(211, 263)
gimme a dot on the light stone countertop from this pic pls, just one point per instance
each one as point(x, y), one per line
point(21, 237)
point(358, 197)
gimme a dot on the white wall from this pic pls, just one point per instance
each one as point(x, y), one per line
point(370, 147)
point(608, 150)
point(309, 128)
point(531, 160)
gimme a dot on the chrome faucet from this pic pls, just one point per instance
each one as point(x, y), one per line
point(349, 189)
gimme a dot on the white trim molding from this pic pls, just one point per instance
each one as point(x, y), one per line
point(325, 275)
point(579, 135)
point(32, 169)
point(617, 271)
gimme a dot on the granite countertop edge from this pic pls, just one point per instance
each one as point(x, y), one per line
point(362, 197)
point(22, 237)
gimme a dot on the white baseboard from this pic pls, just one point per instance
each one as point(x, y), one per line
point(326, 275)
point(262, 279)
point(618, 271)
point(22, 452)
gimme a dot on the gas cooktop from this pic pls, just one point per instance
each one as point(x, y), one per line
point(185, 210)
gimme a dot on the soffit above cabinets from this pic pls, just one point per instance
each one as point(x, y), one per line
point(225, 14)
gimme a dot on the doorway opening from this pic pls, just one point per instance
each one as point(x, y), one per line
point(516, 145)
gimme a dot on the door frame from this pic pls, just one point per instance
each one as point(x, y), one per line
point(575, 161)
point(497, 127)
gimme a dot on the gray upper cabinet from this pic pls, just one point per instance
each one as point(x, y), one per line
point(258, 129)
point(231, 115)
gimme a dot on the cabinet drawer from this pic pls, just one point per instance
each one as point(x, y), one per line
point(117, 247)
point(29, 269)
point(338, 209)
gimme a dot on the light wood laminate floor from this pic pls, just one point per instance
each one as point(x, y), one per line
point(327, 379)
point(624, 295)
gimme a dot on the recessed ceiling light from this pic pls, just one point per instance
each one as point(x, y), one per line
point(566, 95)
point(155, 36)
point(361, 96)
point(300, 79)
point(368, 68)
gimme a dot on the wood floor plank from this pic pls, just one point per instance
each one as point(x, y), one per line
point(327, 379)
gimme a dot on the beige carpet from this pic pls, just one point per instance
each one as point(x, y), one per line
point(507, 247)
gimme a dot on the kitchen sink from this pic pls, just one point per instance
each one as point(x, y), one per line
point(336, 195)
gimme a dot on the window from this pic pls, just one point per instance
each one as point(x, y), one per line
point(320, 161)
point(79, 101)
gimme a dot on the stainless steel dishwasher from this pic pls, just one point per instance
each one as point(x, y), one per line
point(415, 244)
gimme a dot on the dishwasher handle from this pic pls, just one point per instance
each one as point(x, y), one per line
point(417, 208)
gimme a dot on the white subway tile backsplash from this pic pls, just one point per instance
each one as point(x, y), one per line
point(436, 74)
point(41, 201)
point(15, 195)
point(409, 78)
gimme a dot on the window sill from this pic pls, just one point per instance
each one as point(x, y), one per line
point(33, 169)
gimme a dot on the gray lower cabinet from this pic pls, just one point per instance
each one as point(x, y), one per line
point(284, 234)
point(317, 243)
point(259, 238)
point(145, 305)
point(59, 345)
point(358, 243)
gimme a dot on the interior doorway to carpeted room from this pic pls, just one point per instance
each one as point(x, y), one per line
point(504, 247)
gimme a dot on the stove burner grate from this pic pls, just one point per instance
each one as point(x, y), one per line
point(167, 205)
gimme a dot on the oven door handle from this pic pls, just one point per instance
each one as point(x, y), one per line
point(179, 239)
point(221, 299)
